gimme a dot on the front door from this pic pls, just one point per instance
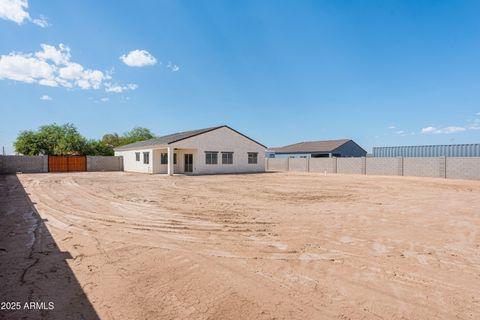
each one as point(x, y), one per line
point(188, 162)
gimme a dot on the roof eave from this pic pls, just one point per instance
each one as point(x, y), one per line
point(156, 146)
point(298, 152)
point(219, 127)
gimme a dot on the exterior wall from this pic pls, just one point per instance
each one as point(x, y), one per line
point(298, 164)
point(351, 165)
point(130, 164)
point(463, 168)
point(155, 161)
point(39, 164)
point(439, 167)
point(101, 163)
point(328, 165)
point(350, 149)
point(277, 164)
point(179, 167)
point(424, 167)
point(385, 166)
point(450, 150)
point(223, 139)
point(27, 164)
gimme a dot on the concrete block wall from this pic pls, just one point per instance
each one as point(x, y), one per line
point(298, 164)
point(463, 168)
point(328, 165)
point(27, 164)
point(39, 164)
point(436, 167)
point(384, 166)
point(104, 163)
point(277, 164)
point(424, 167)
point(351, 165)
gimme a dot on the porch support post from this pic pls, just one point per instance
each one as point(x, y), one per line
point(170, 160)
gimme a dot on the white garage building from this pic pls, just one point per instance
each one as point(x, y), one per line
point(205, 151)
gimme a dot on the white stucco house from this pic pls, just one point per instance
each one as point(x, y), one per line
point(204, 151)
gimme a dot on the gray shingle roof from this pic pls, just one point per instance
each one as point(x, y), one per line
point(171, 138)
point(310, 146)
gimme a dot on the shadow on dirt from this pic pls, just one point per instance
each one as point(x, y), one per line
point(32, 267)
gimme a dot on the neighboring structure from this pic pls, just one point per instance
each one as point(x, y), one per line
point(318, 149)
point(449, 150)
point(212, 150)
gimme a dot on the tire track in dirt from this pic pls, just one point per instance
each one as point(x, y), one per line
point(291, 246)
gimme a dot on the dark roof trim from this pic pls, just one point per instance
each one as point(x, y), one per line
point(308, 147)
point(353, 142)
point(196, 134)
point(144, 144)
point(303, 152)
point(246, 137)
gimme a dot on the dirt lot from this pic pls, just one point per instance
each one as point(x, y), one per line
point(260, 246)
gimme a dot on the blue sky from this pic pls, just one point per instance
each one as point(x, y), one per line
point(379, 72)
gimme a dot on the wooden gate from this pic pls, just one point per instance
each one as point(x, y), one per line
point(67, 163)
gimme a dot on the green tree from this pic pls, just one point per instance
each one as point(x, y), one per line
point(111, 139)
point(28, 143)
point(64, 139)
point(51, 139)
point(98, 148)
point(136, 134)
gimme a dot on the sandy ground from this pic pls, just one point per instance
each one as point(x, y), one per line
point(260, 246)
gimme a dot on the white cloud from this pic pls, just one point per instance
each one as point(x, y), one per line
point(105, 99)
point(428, 130)
point(173, 67)
point(52, 66)
point(138, 58)
point(57, 56)
point(41, 22)
point(470, 125)
point(25, 68)
point(446, 130)
point(48, 82)
point(115, 88)
point(403, 133)
point(71, 71)
point(475, 124)
point(46, 98)
point(90, 79)
point(142, 58)
point(16, 11)
point(392, 127)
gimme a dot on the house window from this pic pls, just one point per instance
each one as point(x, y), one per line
point(137, 156)
point(211, 157)
point(164, 158)
point(227, 157)
point(146, 157)
point(252, 158)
